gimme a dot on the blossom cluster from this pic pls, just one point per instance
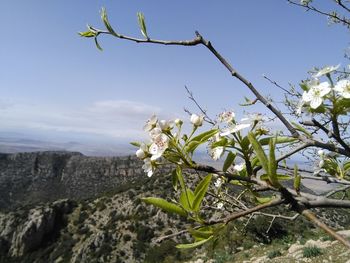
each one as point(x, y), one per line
point(162, 137)
point(317, 92)
point(160, 132)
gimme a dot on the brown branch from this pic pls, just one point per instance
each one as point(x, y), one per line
point(340, 3)
point(161, 238)
point(250, 86)
point(206, 117)
point(328, 146)
point(341, 189)
point(310, 216)
point(225, 220)
point(229, 176)
point(327, 202)
point(334, 135)
point(200, 40)
point(278, 85)
point(330, 15)
point(274, 217)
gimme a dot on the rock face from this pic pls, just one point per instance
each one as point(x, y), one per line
point(114, 227)
point(21, 234)
point(30, 178)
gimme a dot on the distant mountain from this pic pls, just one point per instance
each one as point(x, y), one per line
point(17, 144)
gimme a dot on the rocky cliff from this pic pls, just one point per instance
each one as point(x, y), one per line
point(31, 178)
point(66, 207)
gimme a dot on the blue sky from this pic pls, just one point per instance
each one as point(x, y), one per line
point(58, 86)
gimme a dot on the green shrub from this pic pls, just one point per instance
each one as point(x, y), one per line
point(274, 254)
point(312, 251)
point(222, 256)
point(126, 237)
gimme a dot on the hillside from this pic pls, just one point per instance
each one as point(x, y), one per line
point(66, 207)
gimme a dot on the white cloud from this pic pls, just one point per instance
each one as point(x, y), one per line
point(115, 118)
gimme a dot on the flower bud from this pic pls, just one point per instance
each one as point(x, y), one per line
point(140, 154)
point(320, 153)
point(178, 122)
point(197, 120)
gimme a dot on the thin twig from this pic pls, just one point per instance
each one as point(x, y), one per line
point(204, 112)
point(310, 216)
point(225, 220)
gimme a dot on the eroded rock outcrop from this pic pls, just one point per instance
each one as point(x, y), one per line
point(31, 178)
point(22, 233)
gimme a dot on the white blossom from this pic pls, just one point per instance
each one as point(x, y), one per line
point(148, 167)
point(150, 123)
point(155, 132)
point(166, 125)
point(197, 120)
point(218, 182)
point(226, 116)
point(142, 151)
point(159, 145)
point(234, 128)
point(316, 93)
point(321, 163)
point(220, 205)
point(216, 152)
point(178, 122)
point(343, 87)
point(326, 70)
point(239, 167)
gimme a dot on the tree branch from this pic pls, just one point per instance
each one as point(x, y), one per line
point(329, 15)
point(234, 216)
point(310, 216)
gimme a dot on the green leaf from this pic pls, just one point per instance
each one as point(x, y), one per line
point(97, 44)
point(203, 137)
point(300, 128)
point(245, 144)
point(229, 160)
point(304, 86)
point(265, 177)
point(165, 205)
point(87, 34)
point(106, 22)
point(180, 178)
point(142, 24)
point(200, 192)
point(191, 146)
point(346, 166)
point(272, 163)
point(297, 179)
point(222, 142)
point(199, 139)
point(174, 179)
point(137, 144)
point(186, 199)
point(235, 182)
point(279, 140)
point(202, 233)
point(195, 244)
point(259, 151)
point(263, 200)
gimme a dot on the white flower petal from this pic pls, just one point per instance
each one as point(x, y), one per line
point(241, 126)
point(140, 154)
point(326, 70)
point(316, 102)
point(216, 152)
point(324, 88)
point(197, 120)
